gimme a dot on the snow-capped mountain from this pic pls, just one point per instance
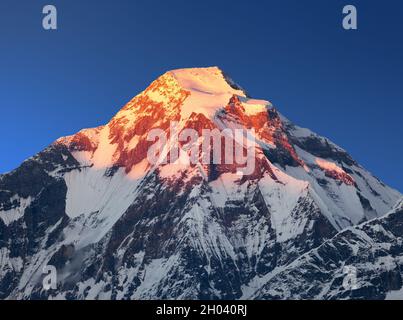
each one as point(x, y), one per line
point(116, 226)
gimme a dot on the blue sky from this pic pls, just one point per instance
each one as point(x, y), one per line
point(345, 85)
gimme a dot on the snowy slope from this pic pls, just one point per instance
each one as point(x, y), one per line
point(373, 249)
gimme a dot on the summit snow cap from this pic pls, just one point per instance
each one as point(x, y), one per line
point(211, 80)
point(210, 89)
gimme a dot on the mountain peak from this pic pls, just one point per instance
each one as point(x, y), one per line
point(96, 206)
point(183, 92)
point(210, 80)
point(199, 90)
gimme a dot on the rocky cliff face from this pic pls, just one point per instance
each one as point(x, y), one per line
point(116, 226)
point(373, 250)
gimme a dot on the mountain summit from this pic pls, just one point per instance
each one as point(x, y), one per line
point(116, 226)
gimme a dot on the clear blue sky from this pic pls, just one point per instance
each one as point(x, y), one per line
point(345, 85)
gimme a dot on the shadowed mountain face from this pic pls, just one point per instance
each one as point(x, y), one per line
point(116, 226)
